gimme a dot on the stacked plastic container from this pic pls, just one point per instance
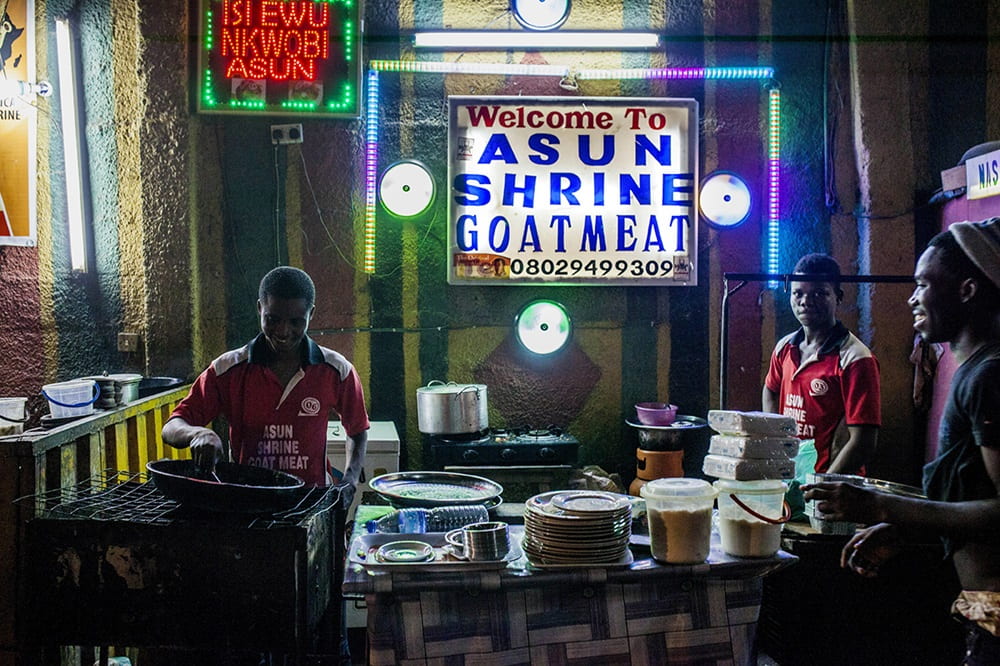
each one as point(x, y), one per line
point(750, 446)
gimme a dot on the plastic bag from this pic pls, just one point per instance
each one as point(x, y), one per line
point(805, 463)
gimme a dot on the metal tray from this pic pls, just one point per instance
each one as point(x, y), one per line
point(362, 552)
point(431, 489)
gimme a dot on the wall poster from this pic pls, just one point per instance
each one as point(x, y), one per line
point(17, 124)
point(572, 191)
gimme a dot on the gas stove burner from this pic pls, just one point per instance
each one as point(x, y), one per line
point(464, 437)
point(551, 431)
point(511, 445)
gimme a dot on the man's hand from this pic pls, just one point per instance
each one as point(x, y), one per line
point(347, 492)
point(206, 449)
point(844, 502)
point(870, 548)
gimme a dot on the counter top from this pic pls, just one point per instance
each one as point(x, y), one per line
point(520, 573)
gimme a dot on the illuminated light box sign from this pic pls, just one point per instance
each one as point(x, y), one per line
point(280, 57)
point(572, 191)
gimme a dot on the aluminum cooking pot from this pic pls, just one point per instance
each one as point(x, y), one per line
point(451, 409)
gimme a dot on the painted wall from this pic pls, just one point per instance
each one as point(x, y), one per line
point(191, 210)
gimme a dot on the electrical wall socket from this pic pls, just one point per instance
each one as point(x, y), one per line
point(128, 342)
point(282, 134)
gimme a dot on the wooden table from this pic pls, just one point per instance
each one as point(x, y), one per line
point(642, 613)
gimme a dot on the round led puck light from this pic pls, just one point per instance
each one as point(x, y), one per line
point(542, 327)
point(724, 200)
point(406, 188)
point(540, 14)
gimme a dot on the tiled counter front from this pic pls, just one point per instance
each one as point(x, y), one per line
point(644, 614)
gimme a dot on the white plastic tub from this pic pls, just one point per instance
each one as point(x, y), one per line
point(12, 416)
point(71, 399)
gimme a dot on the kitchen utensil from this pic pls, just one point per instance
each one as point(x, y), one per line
point(236, 488)
point(655, 413)
point(751, 514)
point(72, 398)
point(450, 409)
point(128, 383)
point(404, 551)
point(680, 519)
point(152, 385)
point(363, 548)
point(481, 542)
point(683, 434)
point(430, 489)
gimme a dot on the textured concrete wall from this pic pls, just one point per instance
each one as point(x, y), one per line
point(190, 210)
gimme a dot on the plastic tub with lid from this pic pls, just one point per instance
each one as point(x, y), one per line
point(751, 514)
point(680, 519)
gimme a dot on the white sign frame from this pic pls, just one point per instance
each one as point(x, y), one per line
point(598, 191)
point(982, 176)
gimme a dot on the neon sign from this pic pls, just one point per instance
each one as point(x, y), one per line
point(280, 57)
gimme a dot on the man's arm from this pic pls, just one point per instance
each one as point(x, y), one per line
point(769, 401)
point(354, 448)
point(856, 451)
point(205, 444)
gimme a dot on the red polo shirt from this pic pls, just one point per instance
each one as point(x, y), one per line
point(272, 426)
point(841, 384)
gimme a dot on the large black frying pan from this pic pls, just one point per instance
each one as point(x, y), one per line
point(234, 488)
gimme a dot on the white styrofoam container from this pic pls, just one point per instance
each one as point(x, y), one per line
point(758, 424)
point(746, 446)
point(748, 469)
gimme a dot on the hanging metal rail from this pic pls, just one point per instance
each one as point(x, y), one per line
point(778, 278)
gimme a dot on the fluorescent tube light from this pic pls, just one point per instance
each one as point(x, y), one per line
point(535, 41)
point(71, 146)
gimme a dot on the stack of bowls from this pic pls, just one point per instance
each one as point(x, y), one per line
point(577, 527)
point(108, 399)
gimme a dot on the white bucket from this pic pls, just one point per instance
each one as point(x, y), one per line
point(72, 398)
point(751, 514)
point(12, 416)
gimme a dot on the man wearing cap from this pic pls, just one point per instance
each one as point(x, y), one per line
point(823, 376)
point(956, 300)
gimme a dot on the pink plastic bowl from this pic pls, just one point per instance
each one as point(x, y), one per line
point(655, 413)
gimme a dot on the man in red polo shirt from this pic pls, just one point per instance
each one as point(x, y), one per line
point(277, 392)
point(823, 376)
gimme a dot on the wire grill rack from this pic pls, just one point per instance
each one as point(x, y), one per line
point(115, 495)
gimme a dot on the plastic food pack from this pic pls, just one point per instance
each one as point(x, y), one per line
point(746, 446)
point(748, 469)
point(759, 424)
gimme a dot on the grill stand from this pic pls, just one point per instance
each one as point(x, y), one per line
point(124, 566)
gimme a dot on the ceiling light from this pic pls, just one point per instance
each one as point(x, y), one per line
point(540, 14)
point(535, 41)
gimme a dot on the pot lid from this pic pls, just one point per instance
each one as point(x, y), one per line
point(679, 487)
point(451, 388)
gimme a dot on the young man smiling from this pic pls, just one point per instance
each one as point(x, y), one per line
point(956, 300)
point(277, 393)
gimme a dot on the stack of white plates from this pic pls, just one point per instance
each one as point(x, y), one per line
point(577, 527)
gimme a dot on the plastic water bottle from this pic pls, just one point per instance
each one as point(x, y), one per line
point(438, 519)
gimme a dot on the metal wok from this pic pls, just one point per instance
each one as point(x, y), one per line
point(239, 488)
